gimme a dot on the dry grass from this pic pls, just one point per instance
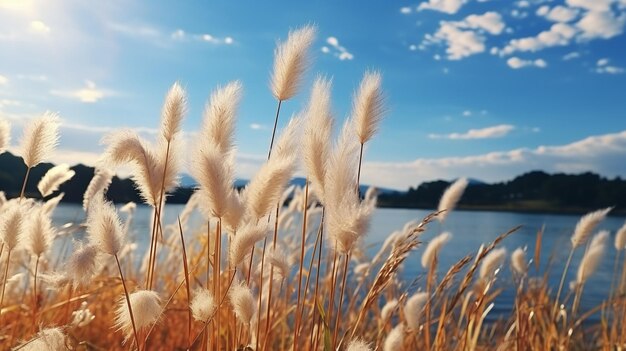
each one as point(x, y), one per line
point(314, 288)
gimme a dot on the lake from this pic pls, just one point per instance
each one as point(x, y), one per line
point(470, 229)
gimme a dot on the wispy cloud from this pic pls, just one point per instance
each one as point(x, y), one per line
point(603, 66)
point(88, 94)
point(336, 50)
point(602, 154)
point(181, 35)
point(256, 126)
point(498, 131)
point(447, 6)
point(39, 27)
point(517, 63)
point(3, 80)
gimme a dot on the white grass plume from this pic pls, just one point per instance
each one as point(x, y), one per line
point(267, 186)
point(347, 223)
point(317, 135)
point(590, 262)
point(39, 233)
point(55, 176)
point(242, 243)
point(600, 238)
point(279, 259)
point(358, 345)
point(218, 125)
point(174, 109)
point(11, 225)
point(341, 173)
point(244, 304)
point(214, 171)
point(620, 238)
point(413, 309)
point(202, 305)
point(40, 138)
point(236, 210)
point(586, 224)
point(434, 247)
point(388, 309)
point(51, 204)
point(97, 186)
point(395, 339)
point(146, 306)
point(126, 147)
point(5, 135)
point(491, 263)
point(368, 106)
point(290, 62)
point(518, 261)
point(451, 197)
point(50, 339)
point(82, 264)
point(104, 228)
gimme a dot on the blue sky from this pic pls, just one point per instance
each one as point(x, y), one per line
point(485, 89)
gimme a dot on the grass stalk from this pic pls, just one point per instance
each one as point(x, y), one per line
point(4, 285)
point(24, 183)
point(302, 245)
point(341, 294)
point(558, 294)
point(130, 308)
point(186, 269)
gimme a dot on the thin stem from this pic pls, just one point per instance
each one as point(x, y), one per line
point(186, 268)
point(158, 214)
point(24, 183)
point(558, 294)
point(274, 130)
point(216, 276)
point(271, 282)
point(343, 287)
point(358, 174)
point(130, 309)
point(4, 285)
point(258, 324)
point(319, 265)
point(152, 239)
point(302, 244)
point(35, 291)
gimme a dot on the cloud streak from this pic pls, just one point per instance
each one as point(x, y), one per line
point(498, 131)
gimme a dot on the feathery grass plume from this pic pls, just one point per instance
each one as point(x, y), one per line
point(214, 171)
point(267, 186)
point(174, 109)
point(586, 224)
point(11, 225)
point(49, 206)
point(451, 197)
point(246, 237)
point(218, 124)
point(600, 238)
point(169, 164)
point(236, 211)
point(388, 309)
point(104, 227)
point(98, 185)
point(5, 135)
point(129, 207)
point(368, 106)
point(55, 176)
point(358, 345)
point(291, 61)
point(347, 223)
point(590, 262)
point(202, 305)
point(340, 178)
point(82, 264)
point(413, 309)
point(244, 304)
point(395, 338)
point(433, 248)
point(279, 259)
point(518, 261)
point(82, 316)
point(50, 339)
point(491, 263)
point(317, 134)
point(146, 306)
point(40, 138)
point(39, 233)
point(127, 147)
point(620, 238)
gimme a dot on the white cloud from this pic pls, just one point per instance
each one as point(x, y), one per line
point(460, 43)
point(8, 102)
point(543, 10)
point(591, 5)
point(522, 3)
point(516, 63)
point(498, 131)
point(603, 66)
point(559, 34)
point(256, 126)
point(39, 27)
point(89, 94)
point(446, 6)
point(515, 13)
point(603, 154)
point(33, 77)
point(604, 24)
point(489, 21)
point(571, 56)
point(178, 34)
point(3, 80)
point(337, 50)
point(467, 113)
point(405, 10)
point(139, 31)
point(560, 13)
